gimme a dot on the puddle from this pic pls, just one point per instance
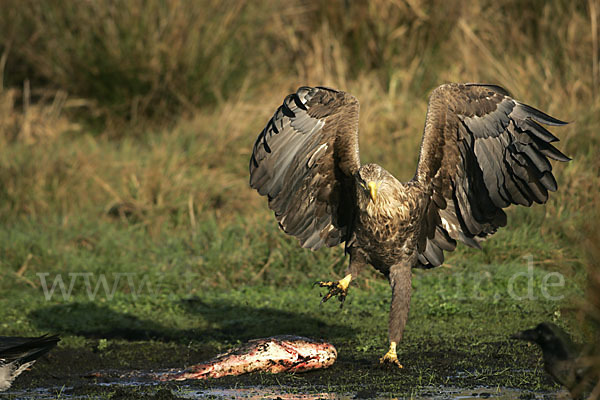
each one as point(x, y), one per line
point(279, 393)
point(440, 393)
point(258, 393)
point(501, 393)
point(140, 383)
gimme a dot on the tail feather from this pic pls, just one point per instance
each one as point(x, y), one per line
point(17, 354)
point(23, 349)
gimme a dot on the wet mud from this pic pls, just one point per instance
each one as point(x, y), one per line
point(120, 370)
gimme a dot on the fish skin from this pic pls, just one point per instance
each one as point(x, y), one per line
point(274, 354)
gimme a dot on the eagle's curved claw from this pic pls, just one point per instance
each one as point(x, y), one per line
point(391, 357)
point(337, 289)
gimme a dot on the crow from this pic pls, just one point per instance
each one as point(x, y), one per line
point(564, 360)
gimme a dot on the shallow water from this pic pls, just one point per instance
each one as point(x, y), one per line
point(280, 393)
point(440, 393)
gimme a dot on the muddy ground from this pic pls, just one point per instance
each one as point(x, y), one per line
point(72, 372)
point(463, 344)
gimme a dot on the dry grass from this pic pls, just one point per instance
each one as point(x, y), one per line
point(227, 65)
point(133, 59)
point(33, 123)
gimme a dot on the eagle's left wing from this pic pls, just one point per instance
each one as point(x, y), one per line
point(481, 152)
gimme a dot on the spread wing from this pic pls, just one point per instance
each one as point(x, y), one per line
point(481, 152)
point(304, 160)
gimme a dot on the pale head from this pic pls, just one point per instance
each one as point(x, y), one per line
point(370, 183)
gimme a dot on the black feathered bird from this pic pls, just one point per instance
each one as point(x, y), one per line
point(19, 353)
point(563, 360)
point(482, 151)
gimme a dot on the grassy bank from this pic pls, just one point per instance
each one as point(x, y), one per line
point(125, 134)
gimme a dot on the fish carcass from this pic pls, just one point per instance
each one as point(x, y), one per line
point(285, 353)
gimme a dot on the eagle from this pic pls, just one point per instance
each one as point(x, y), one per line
point(481, 152)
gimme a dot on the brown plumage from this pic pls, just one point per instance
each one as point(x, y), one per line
point(481, 152)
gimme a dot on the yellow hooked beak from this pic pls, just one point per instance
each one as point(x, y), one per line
point(372, 190)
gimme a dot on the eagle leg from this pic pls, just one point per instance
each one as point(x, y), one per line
point(400, 277)
point(337, 289)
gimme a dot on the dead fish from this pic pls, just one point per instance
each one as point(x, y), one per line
point(285, 353)
point(19, 353)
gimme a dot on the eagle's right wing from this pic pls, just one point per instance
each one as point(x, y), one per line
point(304, 161)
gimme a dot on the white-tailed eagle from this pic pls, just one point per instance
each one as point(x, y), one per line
point(481, 152)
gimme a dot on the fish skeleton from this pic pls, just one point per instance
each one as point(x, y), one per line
point(285, 353)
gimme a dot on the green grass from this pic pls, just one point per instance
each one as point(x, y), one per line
point(205, 291)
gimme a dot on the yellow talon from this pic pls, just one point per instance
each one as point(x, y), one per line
point(391, 357)
point(339, 289)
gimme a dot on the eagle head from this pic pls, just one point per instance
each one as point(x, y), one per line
point(370, 181)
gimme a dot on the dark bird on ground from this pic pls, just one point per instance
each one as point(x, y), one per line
point(481, 152)
point(565, 361)
point(19, 353)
